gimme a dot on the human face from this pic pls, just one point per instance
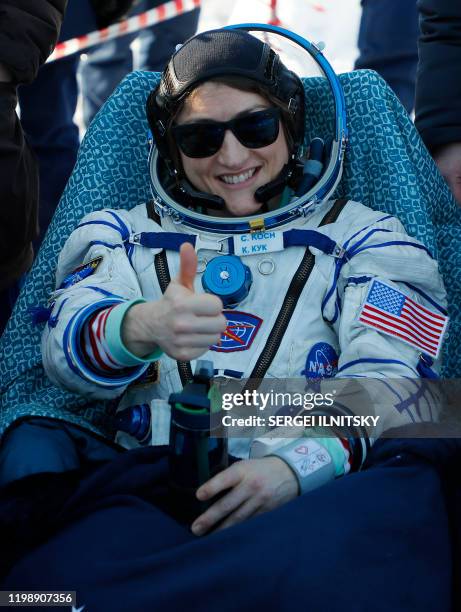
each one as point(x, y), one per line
point(250, 168)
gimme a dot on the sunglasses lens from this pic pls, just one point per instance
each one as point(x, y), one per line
point(199, 139)
point(259, 129)
point(254, 130)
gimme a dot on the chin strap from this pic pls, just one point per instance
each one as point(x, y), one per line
point(191, 198)
point(291, 175)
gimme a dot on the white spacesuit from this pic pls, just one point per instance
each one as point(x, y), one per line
point(371, 308)
point(324, 337)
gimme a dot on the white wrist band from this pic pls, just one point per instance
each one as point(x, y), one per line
point(310, 462)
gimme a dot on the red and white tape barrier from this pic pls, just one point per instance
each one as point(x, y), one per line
point(274, 19)
point(133, 24)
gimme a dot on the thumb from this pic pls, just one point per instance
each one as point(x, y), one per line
point(187, 266)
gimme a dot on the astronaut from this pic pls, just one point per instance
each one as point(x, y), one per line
point(243, 258)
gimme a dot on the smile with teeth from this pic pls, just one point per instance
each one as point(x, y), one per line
point(233, 179)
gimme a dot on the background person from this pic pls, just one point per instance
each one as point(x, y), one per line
point(438, 87)
point(107, 64)
point(47, 109)
point(388, 44)
point(230, 141)
point(229, 144)
point(28, 33)
point(48, 106)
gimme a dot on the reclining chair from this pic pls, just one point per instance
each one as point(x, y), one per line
point(387, 167)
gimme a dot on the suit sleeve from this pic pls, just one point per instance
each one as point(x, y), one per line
point(384, 358)
point(94, 272)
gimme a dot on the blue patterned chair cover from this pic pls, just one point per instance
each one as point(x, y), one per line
point(387, 167)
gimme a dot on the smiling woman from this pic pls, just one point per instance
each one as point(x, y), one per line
point(290, 285)
point(228, 122)
point(229, 126)
point(234, 171)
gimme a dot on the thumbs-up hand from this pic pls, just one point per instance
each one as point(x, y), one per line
point(187, 267)
point(184, 324)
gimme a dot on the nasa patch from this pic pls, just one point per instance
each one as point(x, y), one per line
point(80, 273)
point(321, 361)
point(240, 332)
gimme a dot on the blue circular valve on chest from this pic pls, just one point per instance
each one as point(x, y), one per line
point(228, 278)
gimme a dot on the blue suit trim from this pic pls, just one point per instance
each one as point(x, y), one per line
point(165, 240)
point(374, 360)
point(348, 241)
point(231, 373)
point(106, 223)
point(122, 225)
point(358, 280)
point(349, 253)
point(392, 243)
point(299, 237)
point(106, 244)
point(356, 245)
point(338, 265)
point(106, 293)
point(53, 320)
point(71, 347)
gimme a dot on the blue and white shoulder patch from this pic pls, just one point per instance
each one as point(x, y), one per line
point(80, 273)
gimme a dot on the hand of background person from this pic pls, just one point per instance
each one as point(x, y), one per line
point(5, 74)
point(448, 160)
point(182, 323)
point(28, 34)
point(256, 486)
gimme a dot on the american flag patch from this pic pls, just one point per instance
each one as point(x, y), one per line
point(395, 314)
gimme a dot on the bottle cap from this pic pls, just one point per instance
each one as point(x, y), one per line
point(134, 421)
point(228, 278)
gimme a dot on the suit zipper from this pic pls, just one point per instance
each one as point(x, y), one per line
point(164, 278)
point(288, 307)
point(283, 318)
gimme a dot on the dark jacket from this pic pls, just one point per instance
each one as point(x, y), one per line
point(110, 11)
point(438, 85)
point(28, 32)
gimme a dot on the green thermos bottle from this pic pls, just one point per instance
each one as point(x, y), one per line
point(195, 455)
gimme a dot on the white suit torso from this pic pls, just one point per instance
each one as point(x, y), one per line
point(324, 337)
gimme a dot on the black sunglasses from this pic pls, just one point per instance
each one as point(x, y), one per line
point(204, 138)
